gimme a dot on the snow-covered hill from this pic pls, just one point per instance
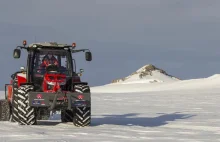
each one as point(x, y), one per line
point(155, 80)
point(146, 74)
point(200, 84)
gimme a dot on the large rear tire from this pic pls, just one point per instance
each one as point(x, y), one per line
point(82, 115)
point(27, 115)
point(4, 110)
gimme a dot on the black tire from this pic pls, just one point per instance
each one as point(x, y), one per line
point(27, 115)
point(66, 116)
point(14, 103)
point(4, 110)
point(82, 88)
point(82, 115)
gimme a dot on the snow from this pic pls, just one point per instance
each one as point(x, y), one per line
point(181, 85)
point(175, 111)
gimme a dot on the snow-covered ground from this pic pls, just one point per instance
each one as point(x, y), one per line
point(180, 111)
point(142, 86)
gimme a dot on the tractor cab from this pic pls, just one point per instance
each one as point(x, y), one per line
point(49, 64)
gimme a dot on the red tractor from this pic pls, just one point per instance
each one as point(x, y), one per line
point(49, 83)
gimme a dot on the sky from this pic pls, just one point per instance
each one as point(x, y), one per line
point(179, 36)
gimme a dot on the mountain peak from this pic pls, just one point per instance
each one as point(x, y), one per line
point(147, 67)
point(148, 73)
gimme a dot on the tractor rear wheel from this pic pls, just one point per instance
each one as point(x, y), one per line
point(4, 110)
point(27, 115)
point(82, 115)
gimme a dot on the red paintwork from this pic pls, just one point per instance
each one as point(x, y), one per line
point(55, 80)
point(80, 97)
point(21, 79)
point(9, 88)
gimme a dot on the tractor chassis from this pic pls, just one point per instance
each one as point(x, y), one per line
point(59, 100)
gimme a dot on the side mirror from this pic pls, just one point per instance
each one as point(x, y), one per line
point(17, 53)
point(88, 56)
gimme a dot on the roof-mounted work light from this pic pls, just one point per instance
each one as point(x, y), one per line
point(73, 44)
point(24, 42)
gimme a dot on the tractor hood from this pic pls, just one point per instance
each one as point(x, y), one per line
point(21, 78)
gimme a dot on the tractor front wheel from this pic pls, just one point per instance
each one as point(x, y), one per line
point(27, 115)
point(82, 115)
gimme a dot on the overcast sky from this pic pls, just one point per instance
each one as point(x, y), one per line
point(179, 36)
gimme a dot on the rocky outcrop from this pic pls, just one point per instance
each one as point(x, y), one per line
point(144, 71)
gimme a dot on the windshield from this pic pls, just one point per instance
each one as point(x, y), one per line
point(45, 58)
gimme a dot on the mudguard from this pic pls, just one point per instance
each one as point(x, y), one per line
point(80, 83)
point(8, 92)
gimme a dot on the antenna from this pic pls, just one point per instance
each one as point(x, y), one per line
point(35, 38)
